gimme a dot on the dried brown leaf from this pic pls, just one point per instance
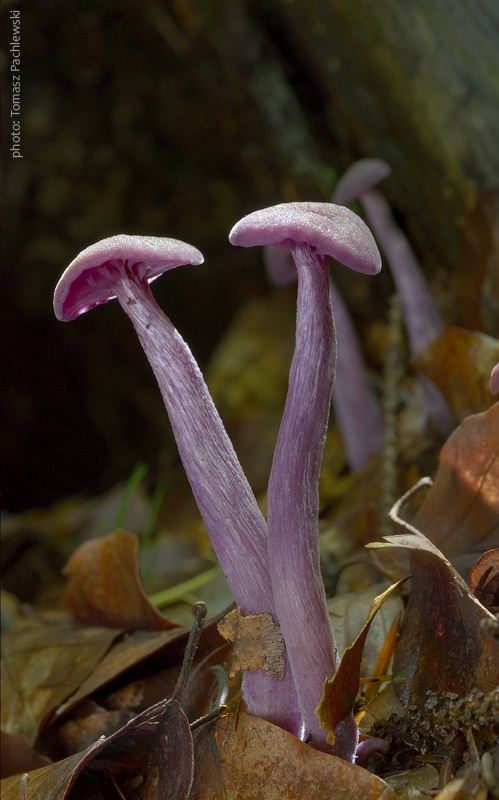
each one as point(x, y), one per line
point(461, 511)
point(127, 652)
point(153, 752)
point(382, 665)
point(442, 646)
point(136, 751)
point(341, 690)
point(104, 586)
point(41, 667)
point(459, 362)
point(470, 785)
point(136, 647)
point(380, 709)
point(255, 760)
point(421, 782)
point(48, 782)
point(258, 642)
point(348, 615)
point(484, 580)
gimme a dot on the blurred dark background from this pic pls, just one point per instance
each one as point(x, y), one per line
point(175, 118)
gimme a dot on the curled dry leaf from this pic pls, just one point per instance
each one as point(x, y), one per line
point(258, 642)
point(341, 690)
point(91, 720)
point(442, 646)
point(153, 753)
point(254, 759)
point(460, 513)
point(136, 753)
point(41, 667)
point(348, 614)
point(104, 586)
point(47, 783)
point(127, 652)
point(133, 648)
point(484, 580)
point(459, 362)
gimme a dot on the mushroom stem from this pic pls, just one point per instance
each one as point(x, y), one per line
point(312, 231)
point(229, 509)
point(422, 318)
point(293, 500)
point(356, 408)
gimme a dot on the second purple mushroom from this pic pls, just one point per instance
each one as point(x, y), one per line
point(313, 232)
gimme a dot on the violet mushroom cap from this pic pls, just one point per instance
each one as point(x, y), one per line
point(329, 229)
point(122, 267)
point(363, 175)
point(86, 283)
point(313, 231)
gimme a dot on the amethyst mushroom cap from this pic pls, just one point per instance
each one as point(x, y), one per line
point(328, 229)
point(90, 278)
point(363, 175)
point(313, 232)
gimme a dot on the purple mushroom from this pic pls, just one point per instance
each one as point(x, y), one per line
point(313, 232)
point(355, 405)
point(421, 315)
point(362, 176)
point(356, 408)
point(122, 267)
point(494, 380)
point(279, 265)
